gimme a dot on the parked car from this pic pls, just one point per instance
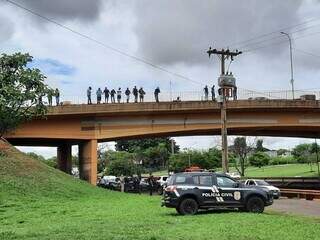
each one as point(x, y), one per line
point(263, 184)
point(162, 181)
point(105, 180)
point(234, 175)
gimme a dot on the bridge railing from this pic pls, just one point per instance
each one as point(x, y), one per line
point(242, 94)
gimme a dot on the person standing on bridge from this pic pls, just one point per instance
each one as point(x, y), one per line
point(57, 95)
point(127, 92)
point(113, 93)
point(89, 91)
point(119, 95)
point(141, 94)
point(156, 94)
point(135, 94)
point(213, 94)
point(206, 93)
point(106, 95)
point(99, 93)
point(50, 94)
point(235, 97)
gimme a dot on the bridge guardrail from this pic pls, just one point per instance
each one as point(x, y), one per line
point(243, 94)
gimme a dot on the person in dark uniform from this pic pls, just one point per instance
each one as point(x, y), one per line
point(89, 91)
point(213, 94)
point(156, 94)
point(49, 96)
point(206, 93)
point(112, 94)
point(57, 95)
point(151, 184)
point(141, 94)
point(127, 93)
point(135, 94)
point(106, 95)
point(235, 97)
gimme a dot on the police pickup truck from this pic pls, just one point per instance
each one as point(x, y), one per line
point(187, 192)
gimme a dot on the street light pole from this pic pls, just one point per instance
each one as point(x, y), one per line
point(291, 64)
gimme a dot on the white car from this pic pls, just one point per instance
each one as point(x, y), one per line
point(234, 175)
point(162, 180)
point(263, 184)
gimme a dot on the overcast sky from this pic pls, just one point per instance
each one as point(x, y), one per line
point(173, 34)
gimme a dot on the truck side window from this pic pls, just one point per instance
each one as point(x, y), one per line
point(204, 180)
point(225, 182)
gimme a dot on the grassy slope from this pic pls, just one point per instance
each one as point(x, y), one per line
point(38, 202)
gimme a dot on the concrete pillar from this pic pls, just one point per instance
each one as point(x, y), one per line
point(64, 157)
point(88, 161)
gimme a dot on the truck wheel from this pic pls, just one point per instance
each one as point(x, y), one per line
point(255, 205)
point(188, 206)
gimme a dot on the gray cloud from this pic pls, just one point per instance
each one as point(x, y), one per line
point(181, 31)
point(85, 10)
point(6, 29)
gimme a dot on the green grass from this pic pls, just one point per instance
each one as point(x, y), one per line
point(287, 170)
point(38, 202)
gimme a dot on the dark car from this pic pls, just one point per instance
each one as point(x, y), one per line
point(187, 192)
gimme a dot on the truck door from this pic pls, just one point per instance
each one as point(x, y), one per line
point(230, 194)
point(204, 183)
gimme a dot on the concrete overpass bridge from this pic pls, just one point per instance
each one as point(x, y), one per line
point(86, 125)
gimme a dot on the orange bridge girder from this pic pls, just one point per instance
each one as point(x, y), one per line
point(87, 124)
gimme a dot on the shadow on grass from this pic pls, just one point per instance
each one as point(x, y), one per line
point(205, 212)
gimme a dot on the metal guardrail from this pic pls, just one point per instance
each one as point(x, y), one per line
point(300, 193)
point(243, 94)
point(305, 183)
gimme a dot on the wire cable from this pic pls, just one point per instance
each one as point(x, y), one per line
point(139, 59)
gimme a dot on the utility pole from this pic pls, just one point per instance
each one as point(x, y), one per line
point(172, 153)
point(226, 82)
point(291, 64)
point(317, 154)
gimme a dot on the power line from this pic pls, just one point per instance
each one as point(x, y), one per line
point(277, 37)
point(307, 53)
point(103, 44)
point(279, 42)
point(273, 32)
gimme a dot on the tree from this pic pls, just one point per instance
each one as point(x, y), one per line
point(241, 151)
point(259, 146)
point(21, 91)
point(302, 152)
point(153, 153)
point(204, 159)
point(259, 159)
point(143, 144)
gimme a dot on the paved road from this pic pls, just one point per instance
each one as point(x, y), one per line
point(297, 207)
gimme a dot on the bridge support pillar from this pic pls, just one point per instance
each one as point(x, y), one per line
point(88, 161)
point(64, 157)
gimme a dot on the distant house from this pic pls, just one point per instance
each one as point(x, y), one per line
point(272, 153)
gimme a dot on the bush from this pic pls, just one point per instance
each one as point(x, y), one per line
point(259, 159)
point(279, 160)
point(121, 167)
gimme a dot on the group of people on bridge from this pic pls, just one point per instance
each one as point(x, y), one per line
point(213, 94)
point(113, 95)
